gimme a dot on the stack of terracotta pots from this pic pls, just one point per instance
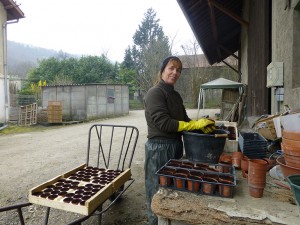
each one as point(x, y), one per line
point(291, 148)
point(254, 170)
point(257, 169)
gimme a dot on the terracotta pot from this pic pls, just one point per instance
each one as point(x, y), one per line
point(225, 158)
point(184, 171)
point(290, 150)
point(244, 166)
point(196, 173)
point(291, 143)
point(179, 180)
point(167, 179)
point(256, 192)
point(164, 181)
point(193, 183)
point(271, 163)
point(291, 160)
point(188, 163)
point(257, 173)
point(176, 161)
point(186, 166)
point(209, 185)
point(236, 159)
point(172, 164)
point(201, 166)
point(212, 169)
point(224, 168)
point(226, 178)
point(169, 170)
point(286, 170)
point(292, 135)
point(225, 188)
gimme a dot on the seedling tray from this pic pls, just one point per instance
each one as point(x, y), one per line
point(80, 190)
point(200, 178)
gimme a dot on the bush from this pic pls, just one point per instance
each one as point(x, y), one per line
point(135, 105)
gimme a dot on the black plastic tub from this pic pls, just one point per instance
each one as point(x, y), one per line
point(205, 148)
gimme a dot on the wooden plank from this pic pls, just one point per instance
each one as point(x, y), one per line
point(67, 174)
point(98, 199)
point(120, 180)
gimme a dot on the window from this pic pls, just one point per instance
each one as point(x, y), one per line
point(110, 95)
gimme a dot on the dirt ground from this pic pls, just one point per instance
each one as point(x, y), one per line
point(30, 159)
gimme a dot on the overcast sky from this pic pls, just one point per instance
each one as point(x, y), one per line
point(93, 27)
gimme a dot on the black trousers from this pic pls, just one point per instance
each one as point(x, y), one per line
point(157, 153)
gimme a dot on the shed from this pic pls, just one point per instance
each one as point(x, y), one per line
point(88, 101)
point(220, 83)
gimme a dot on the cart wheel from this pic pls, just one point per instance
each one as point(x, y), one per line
point(114, 195)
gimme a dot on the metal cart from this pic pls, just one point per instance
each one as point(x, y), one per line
point(110, 147)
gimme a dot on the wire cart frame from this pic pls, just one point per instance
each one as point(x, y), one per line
point(110, 147)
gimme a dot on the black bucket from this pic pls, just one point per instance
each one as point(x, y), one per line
point(205, 148)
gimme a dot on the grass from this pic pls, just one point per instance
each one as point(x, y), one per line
point(14, 129)
point(135, 105)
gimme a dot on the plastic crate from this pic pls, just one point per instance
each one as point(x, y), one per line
point(253, 145)
point(219, 178)
point(230, 144)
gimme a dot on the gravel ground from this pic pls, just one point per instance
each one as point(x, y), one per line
point(30, 159)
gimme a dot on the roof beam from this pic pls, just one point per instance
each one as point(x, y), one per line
point(229, 13)
point(214, 27)
point(226, 50)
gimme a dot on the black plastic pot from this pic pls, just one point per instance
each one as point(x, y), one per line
point(205, 148)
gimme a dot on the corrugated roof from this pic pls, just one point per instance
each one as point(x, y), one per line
point(216, 25)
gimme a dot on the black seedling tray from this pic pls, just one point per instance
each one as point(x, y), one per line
point(220, 179)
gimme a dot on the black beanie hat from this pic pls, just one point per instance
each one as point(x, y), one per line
point(166, 60)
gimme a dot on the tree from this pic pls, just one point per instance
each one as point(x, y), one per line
point(64, 70)
point(150, 47)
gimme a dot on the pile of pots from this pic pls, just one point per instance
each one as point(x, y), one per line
point(254, 170)
point(290, 161)
point(291, 148)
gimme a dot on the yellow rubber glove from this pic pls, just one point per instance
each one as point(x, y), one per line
point(208, 129)
point(206, 125)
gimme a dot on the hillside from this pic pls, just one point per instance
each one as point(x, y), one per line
point(21, 57)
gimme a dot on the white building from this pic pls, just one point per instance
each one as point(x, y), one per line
point(9, 13)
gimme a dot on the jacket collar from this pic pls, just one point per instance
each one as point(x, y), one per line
point(165, 85)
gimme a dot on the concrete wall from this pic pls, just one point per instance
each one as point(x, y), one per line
point(286, 49)
point(87, 102)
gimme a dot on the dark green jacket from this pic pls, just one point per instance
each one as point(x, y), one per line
point(163, 109)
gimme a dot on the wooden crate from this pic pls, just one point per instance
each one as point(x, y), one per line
point(55, 117)
point(90, 205)
point(54, 111)
point(266, 127)
point(54, 108)
point(54, 103)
